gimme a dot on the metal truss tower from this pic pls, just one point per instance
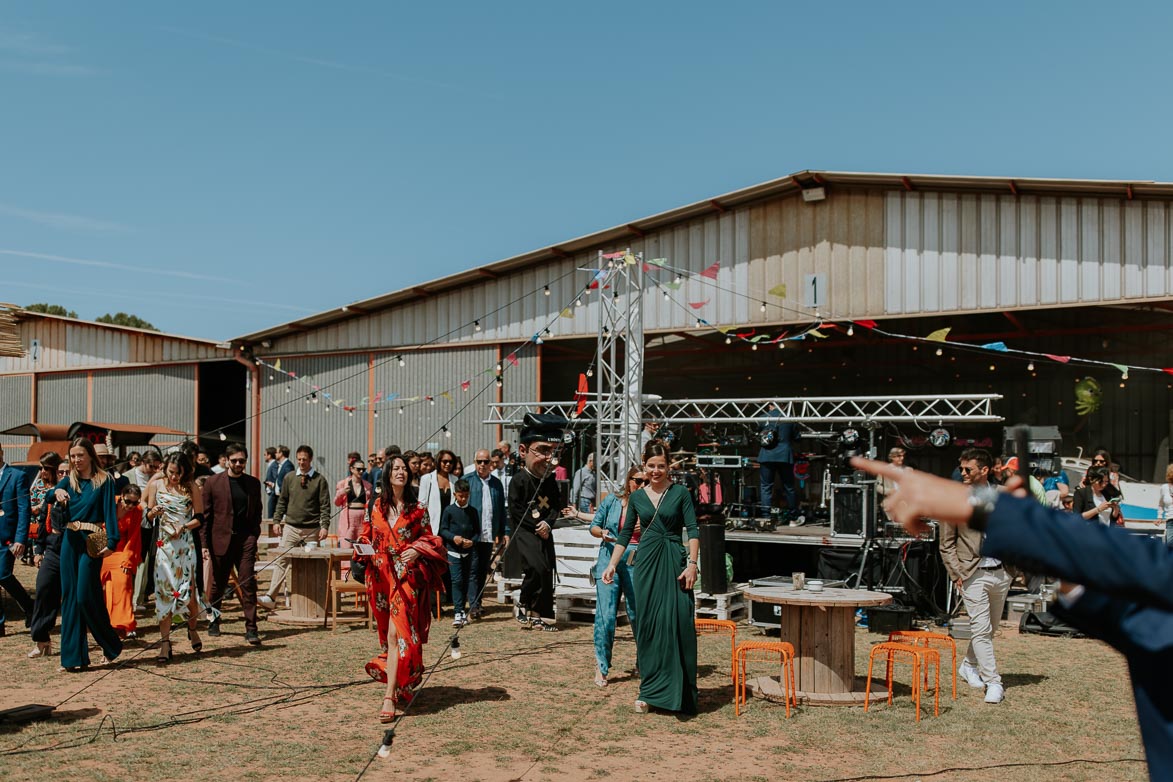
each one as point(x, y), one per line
point(620, 367)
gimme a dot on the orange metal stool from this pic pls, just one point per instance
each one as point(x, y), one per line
point(920, 657)
point(721, 627)
point(931, 640)
point(764, 651)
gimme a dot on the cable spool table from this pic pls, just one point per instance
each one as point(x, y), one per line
point(821, 626)
point(308, 577)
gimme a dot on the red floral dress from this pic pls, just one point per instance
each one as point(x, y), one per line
point(402, 593)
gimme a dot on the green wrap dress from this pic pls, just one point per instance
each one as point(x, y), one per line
point(665, 639)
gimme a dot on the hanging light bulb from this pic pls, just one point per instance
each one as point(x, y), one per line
point(537, 339)
point(578, 302)
point(728, 340)
point(401, 411)
point(498, 367)
point(754, 346)
point(676, 280)
point(851, 330)
point(376, 414)
point(447, 431)
point(699, 323)
point(546, 290)
point(476, 325)
point(992, 367)
point(432, 400)
point(590, 372)
point(500, 381)
point(762, 308)
point(270, 377)
point(1030, 367)
point(666, 296)
point(223, 436)
point(327, 407)
point(546, 331)
point(1124, 376)
point(350, 413)
point(940, 352)
point(314, 397)
point(781, 344)
point(400, 360)
point(307, 400)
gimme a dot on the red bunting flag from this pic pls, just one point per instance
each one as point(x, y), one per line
point(696, 305)
point(1060, 359)
point(1168, 370)
point(614, 255)
point(378, 396)
point(465, 385)
point(581, 395)
point(711, 272)
point(744, 334)
point(512, 359)
point(867, 324)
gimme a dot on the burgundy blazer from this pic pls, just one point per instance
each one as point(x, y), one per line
point(216, 531)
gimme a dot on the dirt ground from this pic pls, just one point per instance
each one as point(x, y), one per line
point(522, 706)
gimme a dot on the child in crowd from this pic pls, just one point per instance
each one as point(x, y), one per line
point(459, 525)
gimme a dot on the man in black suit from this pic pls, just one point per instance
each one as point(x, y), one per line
point(14, 533)
point(232, 513)
point(1116, 587)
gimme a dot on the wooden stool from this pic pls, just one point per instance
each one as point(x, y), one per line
point(920, 657)
point(930, 639)
point(337, 586)
point(721, 627)
point(763, 651)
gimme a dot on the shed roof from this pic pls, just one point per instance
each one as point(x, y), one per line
point(788, 185)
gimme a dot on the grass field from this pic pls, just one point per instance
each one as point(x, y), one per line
point(522, 706)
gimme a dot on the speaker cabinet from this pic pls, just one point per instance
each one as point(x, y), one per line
point(713, 576)
point(851, 510)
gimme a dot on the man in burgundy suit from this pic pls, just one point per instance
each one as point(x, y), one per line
point(232, 514)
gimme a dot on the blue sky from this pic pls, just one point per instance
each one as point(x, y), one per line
point(217, 168)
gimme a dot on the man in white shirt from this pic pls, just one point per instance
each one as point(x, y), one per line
point(487, 495)
point(982, 581)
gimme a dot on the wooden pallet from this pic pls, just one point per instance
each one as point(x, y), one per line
point(507, 591)
point(578, 607)
point(732, 606)
point(576, 552)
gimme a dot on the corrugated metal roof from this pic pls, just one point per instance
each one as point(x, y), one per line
point(1127, 190)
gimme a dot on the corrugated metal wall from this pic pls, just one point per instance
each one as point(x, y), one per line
point(161, 396)
point(758, 247)
point(16, 398)
point(61, 398)
point(66, 344)
point(286, 419)
point(429, 373)
point(950, 252)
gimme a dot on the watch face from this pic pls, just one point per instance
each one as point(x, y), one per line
point(939, 438)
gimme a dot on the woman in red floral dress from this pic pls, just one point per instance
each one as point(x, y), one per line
point(402, 577)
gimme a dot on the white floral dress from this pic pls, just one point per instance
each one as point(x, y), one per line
point(175, 559)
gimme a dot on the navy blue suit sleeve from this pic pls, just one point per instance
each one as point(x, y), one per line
point(1104, 559)
point(23, 506)
point(1129, 628)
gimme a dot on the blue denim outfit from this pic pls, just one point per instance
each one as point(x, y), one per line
point(607, 595)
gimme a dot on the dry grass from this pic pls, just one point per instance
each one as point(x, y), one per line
point(521, 705)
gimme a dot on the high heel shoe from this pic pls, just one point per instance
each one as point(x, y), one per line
point(164, 651)
point(386, 716)
point(600, 679)
point(194, 638)
point(42, 650)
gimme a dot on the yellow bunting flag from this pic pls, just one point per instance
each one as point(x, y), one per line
point(817, 334)
point(779, 290)
point(446, 395)
point(567, 313)
point(629, 259)
point(277, 364)
point(939, 335)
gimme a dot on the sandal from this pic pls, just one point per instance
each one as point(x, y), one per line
point(600, 678)
point(42, 650)
point(385, 716)
point(164, 652)
point(194, 638)
point(641, 707)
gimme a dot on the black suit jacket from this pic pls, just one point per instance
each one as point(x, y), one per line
point(216, 531)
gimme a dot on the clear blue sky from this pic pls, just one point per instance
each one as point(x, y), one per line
point(234, 165)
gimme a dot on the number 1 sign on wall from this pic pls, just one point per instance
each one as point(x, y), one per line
point(814, 290)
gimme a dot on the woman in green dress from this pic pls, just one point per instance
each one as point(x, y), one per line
point(665, 640)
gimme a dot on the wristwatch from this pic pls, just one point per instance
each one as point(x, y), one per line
point(982, 499)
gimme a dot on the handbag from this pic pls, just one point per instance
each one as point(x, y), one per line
point(95, 542)
point(358, 569)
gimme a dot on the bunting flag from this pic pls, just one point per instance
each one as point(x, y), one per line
point(613, 256)
point(378, 397)
point(316, 388)
point(465, 385)
point(1168, 370)
point(1060, 359)
point(580, 396)
point(696, 305)
point(779, 338)
point(711, 272)
point(629, 259)
point(277, 365)
point(673, 285)
point(998, 346)
point(446, 395)
point(1121, 369)
point(566, 313)
point(939, 335)
point(816, 334)
point(778, 290)
point(659, 261)
point(512, 359)
point(867, 324)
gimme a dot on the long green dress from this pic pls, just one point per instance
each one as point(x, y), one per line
point(665, 639)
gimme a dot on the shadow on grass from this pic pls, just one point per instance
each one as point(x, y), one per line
point(432, 700)
point(55, 716)
point(1023, 679)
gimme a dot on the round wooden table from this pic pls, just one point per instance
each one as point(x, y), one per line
point(821, 626)
point(309, 576)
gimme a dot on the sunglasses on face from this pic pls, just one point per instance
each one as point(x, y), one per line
point(640, 481)
point(237, 461)
point(1098, 461)
point(130, 503)
point(968, 470)
point(483, 461)
point(445, 461)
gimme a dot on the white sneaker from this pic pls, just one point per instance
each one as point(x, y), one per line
point(266, 601)
point(995, 692)
point(971, 675)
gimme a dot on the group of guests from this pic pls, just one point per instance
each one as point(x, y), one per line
point(95, 527)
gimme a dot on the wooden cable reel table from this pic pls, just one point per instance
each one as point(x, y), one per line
point(821, 626)
point(309, 576)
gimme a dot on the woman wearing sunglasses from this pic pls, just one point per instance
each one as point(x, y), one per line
point(435, 488)
point(352, 495)
point(606, 524)
point(119, 569)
